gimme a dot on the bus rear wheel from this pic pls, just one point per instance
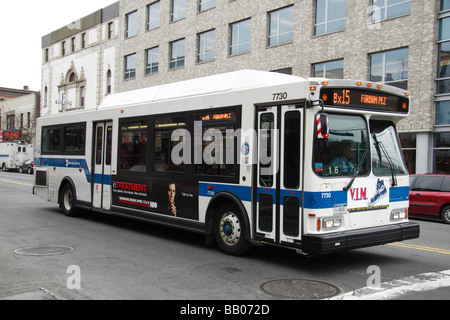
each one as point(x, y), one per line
point(230, 231)
point(67, 200)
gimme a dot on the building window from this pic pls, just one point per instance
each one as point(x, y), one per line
point(72, 77)
point(284, 70)
point(10, 122)
point(82, 96)
point(83, 40)
point(131, 24)
point(442, 152)
point(390, 67)
point(46, 96)
point(409, 144)
point(240, 37)
point(46, 55)
point(28, 120)
point(206, 4)
point(206, 46)
point(386, 9)
point(177, 54)
point(443, 112)
point(330, 16)
point(63, 48)
point(152, 63)
point(443, 76)
point(153, 15)
point(130, 66)
point(178, 10)
point(445, 5)
point(330, 69)
point(108, 82)
point(110, 30)
point(73, 44)
point(281, 26)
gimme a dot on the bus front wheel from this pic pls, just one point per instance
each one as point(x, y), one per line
point(230, 231)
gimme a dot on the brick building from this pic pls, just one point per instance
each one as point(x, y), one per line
point(402, 43)
point(18, 112)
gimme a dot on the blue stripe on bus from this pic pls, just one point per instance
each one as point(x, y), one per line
point(312, 200)
point(74, 164)
point(242, 192)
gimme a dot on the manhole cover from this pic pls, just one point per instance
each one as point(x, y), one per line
point(300, 289)
point(43, 250)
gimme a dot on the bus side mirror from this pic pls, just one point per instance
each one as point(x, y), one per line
point(323, 128)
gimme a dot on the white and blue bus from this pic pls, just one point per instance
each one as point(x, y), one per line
point(246, 157)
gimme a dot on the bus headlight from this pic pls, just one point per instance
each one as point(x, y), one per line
point(331, 223)
point(399, 214)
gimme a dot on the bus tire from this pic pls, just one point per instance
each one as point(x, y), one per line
point(231, 231)
point(67, 200)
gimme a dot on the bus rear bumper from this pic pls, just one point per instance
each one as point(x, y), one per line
point(321, 244)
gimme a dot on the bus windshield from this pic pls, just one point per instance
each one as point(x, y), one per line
point(386, 154)
point(344, 152)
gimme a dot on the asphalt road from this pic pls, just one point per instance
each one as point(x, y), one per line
point(101, 257)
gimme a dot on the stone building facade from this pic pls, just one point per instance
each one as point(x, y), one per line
point(78, 62)
point(396, 42)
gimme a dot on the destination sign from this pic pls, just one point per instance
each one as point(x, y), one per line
point(364, 99)
point(217, 116)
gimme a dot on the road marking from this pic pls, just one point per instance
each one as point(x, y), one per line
point(412, 246)
point(397, 288)
point(19, 183)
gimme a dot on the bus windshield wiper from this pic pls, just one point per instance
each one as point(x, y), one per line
point(358, 168)
point(380, 148)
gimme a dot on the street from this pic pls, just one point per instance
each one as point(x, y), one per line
point(100, 257)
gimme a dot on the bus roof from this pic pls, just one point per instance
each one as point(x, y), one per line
point(231, 81)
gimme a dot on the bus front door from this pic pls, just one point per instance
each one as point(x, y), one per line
point(278, 192)
point(101, 175)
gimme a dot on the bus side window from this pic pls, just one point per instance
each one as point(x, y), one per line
point(133, 145)
point(164, 127)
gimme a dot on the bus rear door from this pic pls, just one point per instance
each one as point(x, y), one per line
point(278, 191)
point(101, 175)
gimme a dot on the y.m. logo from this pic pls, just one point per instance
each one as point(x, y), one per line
point(358, 194)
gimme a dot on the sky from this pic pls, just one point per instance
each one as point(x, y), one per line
point(22, 26)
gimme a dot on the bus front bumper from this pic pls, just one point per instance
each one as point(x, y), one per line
point(321, 244)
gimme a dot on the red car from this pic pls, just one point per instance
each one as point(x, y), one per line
point(429, 194)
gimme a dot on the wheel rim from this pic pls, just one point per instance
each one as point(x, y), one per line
point(68, 198)
point(446, 215)
point(230, 229)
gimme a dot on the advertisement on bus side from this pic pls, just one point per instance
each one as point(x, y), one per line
point(169, 197)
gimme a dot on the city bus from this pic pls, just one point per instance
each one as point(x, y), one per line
point(245, 158)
